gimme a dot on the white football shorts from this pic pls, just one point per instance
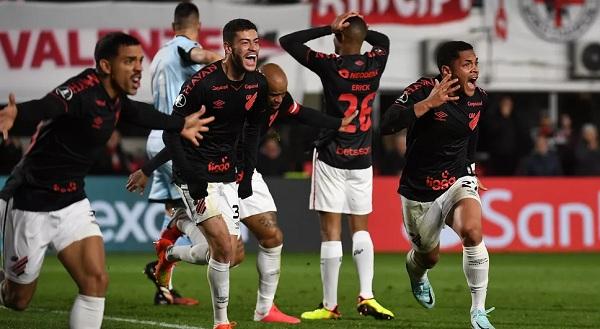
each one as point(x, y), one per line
point(424, 221)
point(345, 191)
point(260, 201)
point(222, 199)
point(27, 235)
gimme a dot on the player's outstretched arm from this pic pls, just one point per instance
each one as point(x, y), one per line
point(8, 115)
point(145, 115)
point(198, 55)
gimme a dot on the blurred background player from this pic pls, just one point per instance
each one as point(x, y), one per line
point(438, 185)
point(235, 93)
point(44, 203)
point(343, 175)
point(173, 64)
point(257, 212)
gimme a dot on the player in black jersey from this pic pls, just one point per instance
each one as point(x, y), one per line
point(438, 186)
point(44, 201)
point(343, 176)
point(257, 212)
point(235, 93)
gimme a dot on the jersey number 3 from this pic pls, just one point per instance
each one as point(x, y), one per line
point(364, 115)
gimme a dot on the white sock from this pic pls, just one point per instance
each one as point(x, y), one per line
point(268, 263)
point(331, 260)
point(87, 312)
point(185, 225)
point(197, 254)
point(476, 265)
point(218, 279)
point(416, 271)
point(362, 253)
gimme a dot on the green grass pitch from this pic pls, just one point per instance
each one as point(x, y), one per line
point(528, 291)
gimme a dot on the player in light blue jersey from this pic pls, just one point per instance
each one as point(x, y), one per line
point(174, 63)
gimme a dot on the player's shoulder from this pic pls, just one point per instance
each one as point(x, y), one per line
point(257, 77)
point(323, 56)
point(86, 81)
point(377, 51)
point(206, 76)
point(423, 83)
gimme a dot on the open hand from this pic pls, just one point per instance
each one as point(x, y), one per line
point(194, 125)
point(137, 182)
point(8, 115)
point(339, 23)
point(442, 90)
point(347, 126)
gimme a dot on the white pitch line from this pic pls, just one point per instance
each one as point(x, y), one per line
point(129, 320)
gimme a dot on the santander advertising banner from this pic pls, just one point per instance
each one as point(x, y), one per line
point(519, 214)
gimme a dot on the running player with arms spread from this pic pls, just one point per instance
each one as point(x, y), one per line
point(343, 175)
point(257, 212)
point(438, 186)
point(44, 202)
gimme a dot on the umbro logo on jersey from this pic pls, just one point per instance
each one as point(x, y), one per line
point(250, 99)
point(440, 116)
point(359, 62)
point(180, 100)
point(218, 104)
point(100, 102)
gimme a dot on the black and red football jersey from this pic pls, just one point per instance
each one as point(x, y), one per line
point(75, 122)
point(350, 83)
point(440, 144)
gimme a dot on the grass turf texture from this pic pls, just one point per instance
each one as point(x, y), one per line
point(528, 290)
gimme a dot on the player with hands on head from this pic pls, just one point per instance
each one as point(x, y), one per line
point(343, 174)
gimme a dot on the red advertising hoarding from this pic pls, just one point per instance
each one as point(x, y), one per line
point(519, 214)
point(392, 12)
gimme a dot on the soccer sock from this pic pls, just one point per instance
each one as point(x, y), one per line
point(197, 254)
point(268, 263)
point(476, 265)
point(416, 271)
point(331, 260)
point(218, 279)
point(87, 312)
point(362, 253)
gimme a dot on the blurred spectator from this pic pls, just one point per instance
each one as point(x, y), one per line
point(564, 141)
point(504, 138)
point(114, 160)
point(545, 127)
point(10, 154)
point(587, 153)
point(543, 161)
point(394, 148)
point(270, 158)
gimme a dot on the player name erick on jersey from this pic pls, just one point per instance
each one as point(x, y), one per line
point(350, 84)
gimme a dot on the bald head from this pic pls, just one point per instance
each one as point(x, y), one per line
point(277, 83)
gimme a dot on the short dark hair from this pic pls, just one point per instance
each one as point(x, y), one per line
point(357, 28)
point(108, 46)
point(234, 26)
point(183, 11)
point(449, 51)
